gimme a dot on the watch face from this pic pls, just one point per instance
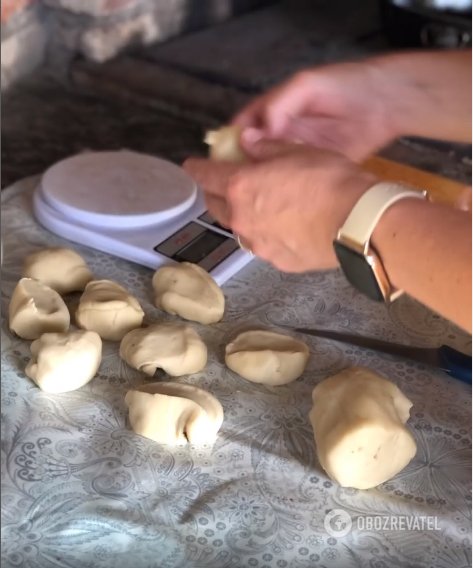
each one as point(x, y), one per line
point(358, 271)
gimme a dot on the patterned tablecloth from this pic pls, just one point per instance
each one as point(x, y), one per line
point(80, 490)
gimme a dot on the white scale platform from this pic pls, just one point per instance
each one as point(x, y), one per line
point(137, 207)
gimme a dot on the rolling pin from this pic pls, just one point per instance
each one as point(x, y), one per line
point(439, 189)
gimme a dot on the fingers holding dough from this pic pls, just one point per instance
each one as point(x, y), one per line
point(225, 144)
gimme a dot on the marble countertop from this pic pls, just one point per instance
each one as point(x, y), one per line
point(44, 122)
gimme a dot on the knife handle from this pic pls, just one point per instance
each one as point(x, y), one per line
point(457, 364)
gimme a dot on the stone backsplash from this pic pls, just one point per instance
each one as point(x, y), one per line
point(57, 30)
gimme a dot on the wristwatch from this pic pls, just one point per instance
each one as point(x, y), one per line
point(359, 261)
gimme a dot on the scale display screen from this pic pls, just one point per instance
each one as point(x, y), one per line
point(199, 245)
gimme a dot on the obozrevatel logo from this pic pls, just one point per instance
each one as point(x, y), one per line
point(338, 523)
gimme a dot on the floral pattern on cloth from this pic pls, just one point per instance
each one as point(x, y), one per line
point(81, 490)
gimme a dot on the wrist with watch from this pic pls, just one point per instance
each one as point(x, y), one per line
point(358, 259)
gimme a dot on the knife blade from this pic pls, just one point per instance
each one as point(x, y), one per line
point(453, 362)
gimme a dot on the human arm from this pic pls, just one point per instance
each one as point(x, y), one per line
point(289, 205)
point(428, 93)
point(426, 250)
point(358, 108)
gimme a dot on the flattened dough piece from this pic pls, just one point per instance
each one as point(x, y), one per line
point(174, 347)
point(36, 309)
point(108, 309)
point(187, 290)
point(225, 144)
point(63, 362)
point(61, 269)
point(169, 413)
point(359, 422)
point(267, 357)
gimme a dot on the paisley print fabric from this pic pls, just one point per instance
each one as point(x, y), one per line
point(80, 490)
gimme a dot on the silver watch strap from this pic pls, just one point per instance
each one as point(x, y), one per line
point(370, 207)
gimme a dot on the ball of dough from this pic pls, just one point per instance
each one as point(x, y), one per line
point(359, 428)
point(225, 144)
point(61, 269)
point(36, 309)
point(267, 357)
point(203, 398)
point(187, 290)
point(174, 347)
point(63, 362)
point(172, 413)
point(107, 308)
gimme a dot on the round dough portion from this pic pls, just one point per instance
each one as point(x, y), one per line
point(187, 290)
point(225, 144)
point(63, 362)
point(108, 309)
point(174, 347)
point(169, 413)
point(359, 421)
point(203, 398)
point(267, 357)
point(61, 269)
point(36, 309)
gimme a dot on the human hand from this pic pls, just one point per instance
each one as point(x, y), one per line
point(341, 107)
point(287, 206)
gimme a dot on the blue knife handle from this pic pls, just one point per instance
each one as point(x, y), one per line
point(457, 364)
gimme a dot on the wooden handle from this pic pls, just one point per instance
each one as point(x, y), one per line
point(440, 189)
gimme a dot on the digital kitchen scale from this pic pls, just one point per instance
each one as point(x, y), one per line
point(137, 207)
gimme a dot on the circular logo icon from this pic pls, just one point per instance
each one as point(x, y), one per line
point(338, 523)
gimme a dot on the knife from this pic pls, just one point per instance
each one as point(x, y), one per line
point(453, 362)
